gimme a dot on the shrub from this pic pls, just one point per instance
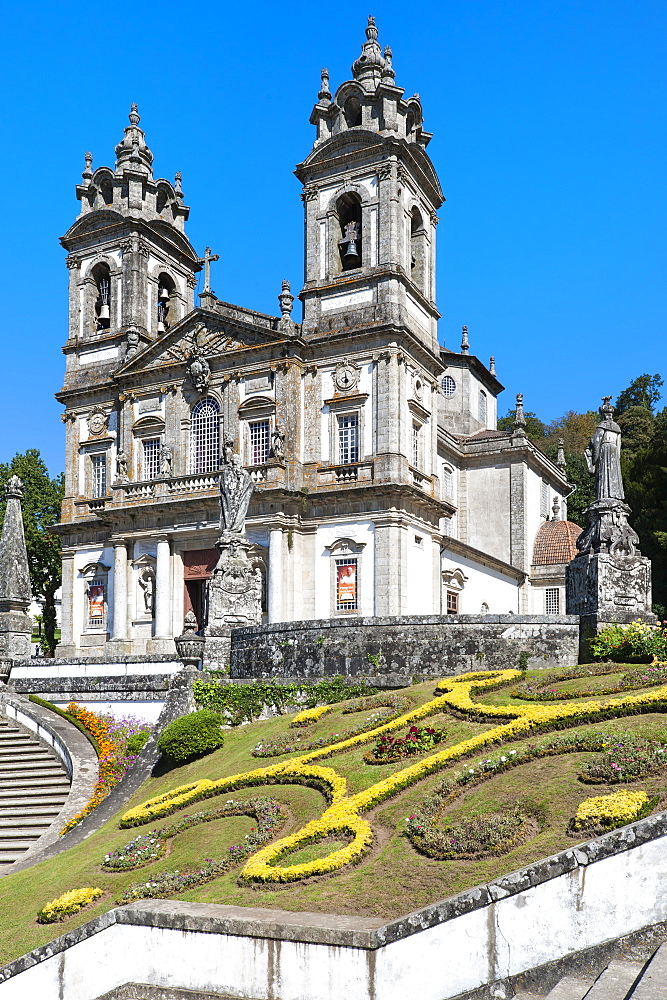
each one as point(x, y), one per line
point(624, 643)
point(136, 743)
point(191, 736)
point(418, 739)
point(472, 836)
point(67, 904)
point(606, 812)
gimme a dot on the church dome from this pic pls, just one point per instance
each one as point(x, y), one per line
point(556, 543)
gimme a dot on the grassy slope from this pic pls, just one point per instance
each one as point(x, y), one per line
point(393, 879)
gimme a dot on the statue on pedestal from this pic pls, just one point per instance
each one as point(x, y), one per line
point(609, 578)
point(234, 592)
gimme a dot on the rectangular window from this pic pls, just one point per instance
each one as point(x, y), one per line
point(346, 584)
point(99, 475)
point(96, 603)
point(259, 442)
point(415, 445)
point(151, 469)
point(552, 601)
point(348, 438)
point(544, 500)
point(447, 482)
point(452, 602)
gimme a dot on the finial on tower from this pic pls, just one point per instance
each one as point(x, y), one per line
point(87, 170)
point(560, 457)
point(369, 67)
point(324, 95)
point(492, 365)
point(388, 70)
point(134, 115)
point(465, 345)
point(286, 299)
point(178, 190)
point(519, 430)
point(556, 510)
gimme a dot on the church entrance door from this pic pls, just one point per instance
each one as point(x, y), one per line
point(198, 565)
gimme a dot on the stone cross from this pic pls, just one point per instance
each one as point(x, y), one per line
point(206, 261)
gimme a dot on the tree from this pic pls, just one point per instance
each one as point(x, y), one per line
point(42, 497)
point(644, 391)
point(637, 425)
point(574, 428)
point(646, 493)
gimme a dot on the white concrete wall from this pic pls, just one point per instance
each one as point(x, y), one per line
point(582, 908)
point(488, 498)
point(483, 586)
point(420, 597)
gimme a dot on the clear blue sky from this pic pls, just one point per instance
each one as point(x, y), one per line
point(549, 139)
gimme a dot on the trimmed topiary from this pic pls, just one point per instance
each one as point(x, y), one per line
point(191, 736)
point(136, 743)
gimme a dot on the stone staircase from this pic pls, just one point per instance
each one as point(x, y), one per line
point(621, 980)
point(33, 788)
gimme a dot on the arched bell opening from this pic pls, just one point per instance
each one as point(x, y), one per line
point(417, 249)
point(348, 209)
point(101, 276)
point(166, 302)
point(352, 112)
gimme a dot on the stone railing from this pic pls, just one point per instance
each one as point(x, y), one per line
point(193, 484)
point(341, 474)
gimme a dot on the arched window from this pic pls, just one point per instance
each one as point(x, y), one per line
point(161, 199)
point(482, 407)
point(349, 217)
point(166, 303)
point(102, 277)
point(448, 386)
point(205, 437)
point(417, 249)
point(106, 190)
point(352, 112)
point(447, 481)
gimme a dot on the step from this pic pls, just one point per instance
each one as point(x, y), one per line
point(30, 753)
point(653, 983)
point(54, 805)
point(21, 766)
point(22, 821)
point(17, 847)
point(616, 982)
point(570, 988)
point(35, 780)
point(9, 779)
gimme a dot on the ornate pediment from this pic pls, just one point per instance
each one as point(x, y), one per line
point(199, 336)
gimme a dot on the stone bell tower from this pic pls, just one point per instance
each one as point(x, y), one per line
point(370, 195)
point(132, 269)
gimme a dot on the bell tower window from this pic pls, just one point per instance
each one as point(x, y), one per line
point(352, 112)
point(166, 306)
point(102, 279)
point(106, 190)
point(349, 217)
point(417, 249)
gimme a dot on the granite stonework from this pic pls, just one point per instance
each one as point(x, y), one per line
point(571, 912)
point(400, 649)
point(15, 591)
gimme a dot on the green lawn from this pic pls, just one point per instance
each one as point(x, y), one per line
point(392, 879)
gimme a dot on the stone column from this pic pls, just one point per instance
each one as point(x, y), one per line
point(67, 606)
point(119, 624)
point(163, 589)
point(275, 574)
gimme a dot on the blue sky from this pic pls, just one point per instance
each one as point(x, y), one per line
point(549, 140)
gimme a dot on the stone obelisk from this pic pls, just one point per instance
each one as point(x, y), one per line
point(15, 592)
point(609, 579)
point(235, 588)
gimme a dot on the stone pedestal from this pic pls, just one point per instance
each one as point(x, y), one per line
point(234, 598)
point(15, 632)
point(609, 580)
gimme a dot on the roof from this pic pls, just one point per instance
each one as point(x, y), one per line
point(556, 543)
point(480, 435)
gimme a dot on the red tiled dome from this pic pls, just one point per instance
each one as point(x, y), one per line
point(556, 542)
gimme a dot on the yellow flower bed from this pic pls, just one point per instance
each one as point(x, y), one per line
point(609, 810)
point(67, 904)
point(342, 815)
point(310, 715)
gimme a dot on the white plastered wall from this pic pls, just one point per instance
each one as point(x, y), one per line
point(361, 532)
point(482, 586)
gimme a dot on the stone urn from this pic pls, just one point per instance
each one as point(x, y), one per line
point(189, 646)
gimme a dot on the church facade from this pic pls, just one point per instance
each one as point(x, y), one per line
point(382, 486)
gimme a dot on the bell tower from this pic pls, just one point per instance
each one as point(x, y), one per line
point(370, 197)
point(132, 268)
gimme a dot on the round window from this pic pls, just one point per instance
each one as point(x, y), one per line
point(448, 385)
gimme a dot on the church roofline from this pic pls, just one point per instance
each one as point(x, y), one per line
point(476, 555)
point(451, 359)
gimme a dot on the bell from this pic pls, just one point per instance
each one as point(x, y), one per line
point(163, 294)
point(104, 311)
point(351, 251)
point(161, 326)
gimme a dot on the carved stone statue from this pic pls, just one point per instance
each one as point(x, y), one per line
point(199, 370)
point(147, 584)
point(121, 467)
point(165, 460)
point(603, 456)
point(236, 488)
point(277, 443)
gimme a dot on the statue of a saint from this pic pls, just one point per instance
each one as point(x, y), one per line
point(121, 467)
point(147, 584)
point(603, 455)
point(277, 443)
point(236, 488)
point(165, 460)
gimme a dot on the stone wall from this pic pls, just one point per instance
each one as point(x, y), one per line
point(395, 650)
point(483, 943)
